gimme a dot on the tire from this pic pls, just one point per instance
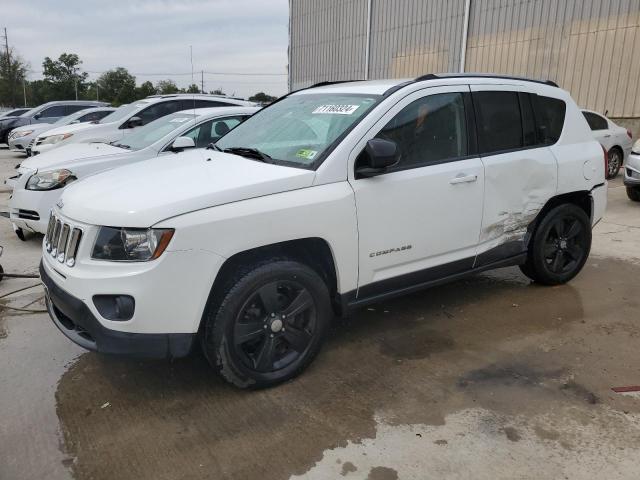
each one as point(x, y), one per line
point(560, 246)
point(269, 324)
point(614, 162)
point(20, 234)
point(633, 193)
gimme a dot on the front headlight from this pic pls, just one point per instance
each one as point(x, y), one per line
point(636, 147)
point(21, 133)
point(131, 244)
point(56, 138)
point(50, 180)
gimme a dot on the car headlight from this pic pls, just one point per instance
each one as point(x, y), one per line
point(56, 138)
point(21, 133)
point(636, 147)
point(50, 180)
point(131, 244)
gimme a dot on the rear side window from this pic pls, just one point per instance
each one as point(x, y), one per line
point(499, 121)
point(158, 110)
point(550, 113)
point(596, 122)
point(69, 109)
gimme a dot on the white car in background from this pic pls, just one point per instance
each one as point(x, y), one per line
point(632, 173)
point(21, 138)
point(117, 126)
point(615, 139)
point(41, 179)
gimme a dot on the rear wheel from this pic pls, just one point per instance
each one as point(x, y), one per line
point(633, 193)
point(559, 247)
point(614, 162)
point(269, 325)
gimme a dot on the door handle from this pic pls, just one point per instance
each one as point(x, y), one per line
point(462, 178)
point(607, 136)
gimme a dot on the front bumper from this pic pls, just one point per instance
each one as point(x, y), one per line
point(75, 320)
point(632, 171)
point(29, 209)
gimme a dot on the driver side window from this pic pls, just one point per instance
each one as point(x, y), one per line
point(429, 130)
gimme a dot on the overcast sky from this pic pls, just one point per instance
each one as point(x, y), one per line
point(153, 36)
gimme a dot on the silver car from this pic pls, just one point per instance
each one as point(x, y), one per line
point(21, 139)
point(632, 173)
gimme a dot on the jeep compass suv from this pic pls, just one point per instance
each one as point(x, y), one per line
point(333, 197)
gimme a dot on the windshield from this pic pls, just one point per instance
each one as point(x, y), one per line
point(299, 129)
point(123, 112)
point(152, 132)
point(70, 118)
point(33, 111)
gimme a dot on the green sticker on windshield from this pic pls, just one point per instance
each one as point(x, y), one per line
point(308, 154)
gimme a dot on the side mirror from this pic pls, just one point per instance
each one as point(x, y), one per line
point(37, 116)
point(180, 143)
point(378, 155)
point(134, 122)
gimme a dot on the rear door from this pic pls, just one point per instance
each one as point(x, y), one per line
point(421, 219)
point(520, 170)
point(600, 128)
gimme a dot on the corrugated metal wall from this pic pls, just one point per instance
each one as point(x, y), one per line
point(586, 46)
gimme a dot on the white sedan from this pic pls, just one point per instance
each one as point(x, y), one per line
point(615, 139)
point(42, 178)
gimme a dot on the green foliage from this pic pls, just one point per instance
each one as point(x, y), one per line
point(193, 88)
point(217, 91)
point(117, 86)
point(165, 87)
point(262, 97)
point(64, 77)
point(12, 73)
point(145, 90)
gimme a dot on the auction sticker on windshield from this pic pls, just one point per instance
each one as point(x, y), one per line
point(336, 109)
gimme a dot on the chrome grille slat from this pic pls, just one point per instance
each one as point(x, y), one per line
point(62, 240)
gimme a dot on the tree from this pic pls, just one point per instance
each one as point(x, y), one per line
point(145, 90)
point(193, 88)
point(165, 87)
point(117, 86)
point(13, 71)
point(64, 77)
point(262, 97)
point(217, 91)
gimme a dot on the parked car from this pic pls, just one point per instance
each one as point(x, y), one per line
point(632, 173)
point(615, 139)
point(121, 123)
point(41, 179)
point(16, 112)
point(20, 139)
point(329, 199)
point(46, 113)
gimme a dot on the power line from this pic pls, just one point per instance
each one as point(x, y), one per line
point(168, 74)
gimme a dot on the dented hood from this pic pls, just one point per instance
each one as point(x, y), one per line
point(144, 193)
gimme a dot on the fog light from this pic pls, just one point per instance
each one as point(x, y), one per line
point(118, 308)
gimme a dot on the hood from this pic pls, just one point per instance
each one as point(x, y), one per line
point(72, 128)
point(36, 128)
point(145, 193)
point(14, 122)
point(68, 155)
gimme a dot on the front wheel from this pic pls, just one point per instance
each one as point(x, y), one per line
point(269, 325)
point(633, 193)
point(559, 247)
point(614, 162)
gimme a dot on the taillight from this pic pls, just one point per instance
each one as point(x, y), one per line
point(606, 160)
point(629, 134)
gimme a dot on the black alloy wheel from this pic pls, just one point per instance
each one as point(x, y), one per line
point(565, 245)
point(275, 326)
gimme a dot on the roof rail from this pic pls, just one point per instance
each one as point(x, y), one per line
point(433, 76)
point(333, 82)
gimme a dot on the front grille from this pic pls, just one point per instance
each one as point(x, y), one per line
point(39, 141)
point(31, 143)
point(62, 240)
point(28, 214)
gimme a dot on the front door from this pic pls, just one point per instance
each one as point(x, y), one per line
point(421, 219)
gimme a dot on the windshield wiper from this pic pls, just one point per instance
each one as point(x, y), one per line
point(252, 153)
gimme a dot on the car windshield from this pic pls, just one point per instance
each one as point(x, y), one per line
point(123, 112)
point(152, 132)
point(32, 112)
point(70, 118)
point(297, 130)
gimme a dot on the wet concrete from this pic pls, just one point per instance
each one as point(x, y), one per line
point(489, 377)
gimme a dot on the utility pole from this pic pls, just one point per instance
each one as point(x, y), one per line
point(97, 91)
point(76, 85)
point(202, 81)
point(24, 91)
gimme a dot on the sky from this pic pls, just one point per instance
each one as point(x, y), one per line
point(153, 36)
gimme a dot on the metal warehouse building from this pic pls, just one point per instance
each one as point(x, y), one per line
point(587, 47)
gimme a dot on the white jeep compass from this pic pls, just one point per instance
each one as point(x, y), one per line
point(331, 198)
